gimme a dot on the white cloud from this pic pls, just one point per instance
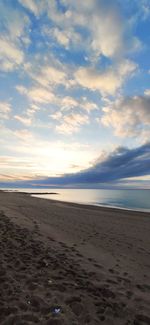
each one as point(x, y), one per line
point(89, 106)
point(18, 28)
point(108, 32)
point(21, 89)
point(14, 35)
point(64, 36)
point(27, 121)
point(104, 35)
point(32, 110)
point(34, 6)
point(68, 110)
point(56, 116)
point(61, 36)
point(147, 92)
point(6, 65)
point(5, 109)
point(108, 81)
point(54, 13)
point(37, 94)
point(13, 24)
point(23, 134)
point(71, 123)
point(68, 103)
point(10, 55)
point(50, 75)
point(128, 116)
point(40, 95)
point(74, 105)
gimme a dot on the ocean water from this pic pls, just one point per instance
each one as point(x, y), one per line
point(123, 199)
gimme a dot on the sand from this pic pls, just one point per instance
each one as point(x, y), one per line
point(72, 264)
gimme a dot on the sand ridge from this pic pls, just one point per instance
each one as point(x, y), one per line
point(69, 264)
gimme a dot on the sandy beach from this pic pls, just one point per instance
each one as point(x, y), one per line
point(71, 264)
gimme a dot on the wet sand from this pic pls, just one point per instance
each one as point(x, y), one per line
point(71, 264)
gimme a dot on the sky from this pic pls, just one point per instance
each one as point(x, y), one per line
point(75, 93)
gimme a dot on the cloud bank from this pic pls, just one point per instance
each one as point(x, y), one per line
point(121, 164)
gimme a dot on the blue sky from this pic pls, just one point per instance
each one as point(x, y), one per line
point(75, 89)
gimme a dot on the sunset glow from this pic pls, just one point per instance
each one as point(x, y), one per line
point(75, 89)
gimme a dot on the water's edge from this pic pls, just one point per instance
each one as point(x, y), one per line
point(134, 200)
point(94, 204)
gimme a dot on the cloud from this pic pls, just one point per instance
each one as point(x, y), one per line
point(37, 94)
point(10, 55)
point(14, 24)
point(21, 89)
point(143, 8)
point(104, 36)
point(108, 81)
point(146, 8)
point(23, 134)
point(14, 36)
point(35, 7)
point(89, 106)
point(121, 164)
point(8, 168)
point(147, 92)
point(6, 161)
point(41, 95)
point(108, 33)
point(76, 48)
point(49, 75)
point(70, 123)
point(128, 116)
point(5, 109)
point(32, 110)
point(69, 103)
point(112, 35)
point(65, 37)
point(62, 37)
point(69, 112)
point(28, 118)
point(23, 145)
point(27, 121)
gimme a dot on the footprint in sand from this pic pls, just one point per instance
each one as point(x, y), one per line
point(141, 320)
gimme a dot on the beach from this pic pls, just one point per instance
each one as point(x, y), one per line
point(72, 264)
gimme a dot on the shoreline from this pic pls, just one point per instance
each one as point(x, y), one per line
point(89, 263)
point(35, 194)
point(92, 205)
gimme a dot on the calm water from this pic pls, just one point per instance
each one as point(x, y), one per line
point(128, 199)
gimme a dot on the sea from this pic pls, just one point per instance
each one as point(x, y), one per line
point(129, 199)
